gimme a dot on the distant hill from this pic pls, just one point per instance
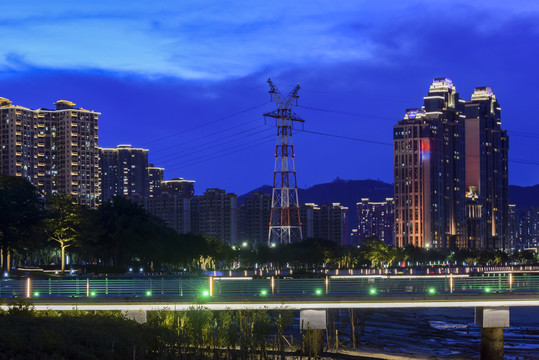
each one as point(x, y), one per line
point(350, 192)
point(263, 189)
point(346, 192)
point(524, 197)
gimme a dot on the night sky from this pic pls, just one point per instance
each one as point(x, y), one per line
point(187, 79)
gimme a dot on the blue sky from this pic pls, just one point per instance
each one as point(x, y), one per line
point(187, 80)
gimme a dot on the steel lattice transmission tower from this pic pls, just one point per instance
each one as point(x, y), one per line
point(285, 223)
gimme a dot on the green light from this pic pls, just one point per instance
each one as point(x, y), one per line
point(206, 293)
point(432, 291)
point(487, 290)
point(263, 292)
point(36, 294)
point(318, 292)
point(92, 294)
point(372, 291)
point(148, 293)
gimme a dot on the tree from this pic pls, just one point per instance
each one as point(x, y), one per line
point(376, 251)
point(20, 215)
point(128, 234)
point(126, 228)
point(63, 221)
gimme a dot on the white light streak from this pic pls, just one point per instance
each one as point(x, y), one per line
point(396, 276)
point(281, 306)
point(233, 278)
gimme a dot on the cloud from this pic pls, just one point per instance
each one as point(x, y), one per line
point(208, 40)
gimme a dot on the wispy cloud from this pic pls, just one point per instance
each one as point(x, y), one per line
point(216, 40)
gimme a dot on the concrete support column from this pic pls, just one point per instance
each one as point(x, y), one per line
point(492, 321)
point(139, 316)
point(491, 344)
point(313, 343)
point(314, 324)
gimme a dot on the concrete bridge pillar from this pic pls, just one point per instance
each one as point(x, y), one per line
point(314, 324)
point(137, 315)
point(492, 321)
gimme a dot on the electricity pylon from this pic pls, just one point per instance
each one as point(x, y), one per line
point(285, 223)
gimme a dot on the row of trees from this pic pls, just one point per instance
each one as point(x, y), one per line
point(120, 234)
point(374, 253)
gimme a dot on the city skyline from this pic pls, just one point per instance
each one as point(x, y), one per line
point(188, 82)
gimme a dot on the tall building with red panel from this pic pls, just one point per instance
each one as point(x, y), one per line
point(429, 169)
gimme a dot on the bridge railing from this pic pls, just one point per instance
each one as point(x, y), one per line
point(266, 286)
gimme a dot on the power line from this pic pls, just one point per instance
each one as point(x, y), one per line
point(522, 134)
point(517, 161)
point(191, 142)
point(232, 150)
point(206, 123)
point(348, 113)
point(527, 162)
point(228, 151)
point(510, 132)
point(348, 138)
point(211, 145)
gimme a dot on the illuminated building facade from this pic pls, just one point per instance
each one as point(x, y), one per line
point(21, 129)
point(124, 172)
point(512, 228)
point(429, 169)
point(171, 202)
point(215, 214)
point(487, 147)
point(325, 221)
point(331, 223)
point(375, 219)
point(308, 213)
point(528, 228)
point(253, 218)
point(56, 150)
point(179, 186)
point(155, 177)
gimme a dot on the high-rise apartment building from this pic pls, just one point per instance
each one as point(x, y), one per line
point(155, 177)
point(376, 218)
point(124, 172)
point(487, 147)
point(528, 228)
point(512, 242)
point(56, 150)
point(179, 186)
point(253, 219)
point(19, 141)
point(331, 223)
point(172, 203)
point(308, 215)
point(215, 214)
point(325, 221)
point(451, 172)
point(429, 167)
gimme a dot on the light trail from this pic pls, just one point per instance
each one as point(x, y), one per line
point(439, 276)
point(283, 305)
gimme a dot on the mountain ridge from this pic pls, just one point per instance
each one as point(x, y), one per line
point(349, 192)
